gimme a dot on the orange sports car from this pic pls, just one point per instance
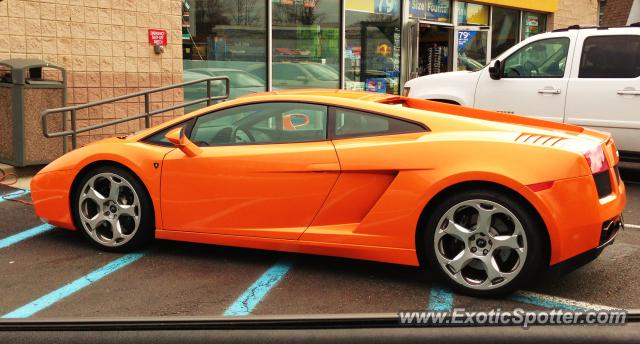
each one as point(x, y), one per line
point(486, 200)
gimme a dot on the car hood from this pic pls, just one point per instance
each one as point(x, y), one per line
point(462, 77)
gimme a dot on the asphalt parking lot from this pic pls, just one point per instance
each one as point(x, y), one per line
point(51, 273)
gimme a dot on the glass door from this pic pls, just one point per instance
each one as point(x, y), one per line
point(413, 34)
point(472, 36)
point(471, 47)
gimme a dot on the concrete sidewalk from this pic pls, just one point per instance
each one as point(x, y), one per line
point(23, 174)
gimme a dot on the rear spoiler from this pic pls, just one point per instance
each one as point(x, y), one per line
point(457, 110)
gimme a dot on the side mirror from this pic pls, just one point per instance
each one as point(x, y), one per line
point(178, 138)
point(495, 71)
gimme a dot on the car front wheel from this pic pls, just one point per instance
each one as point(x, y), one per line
point(112, 209)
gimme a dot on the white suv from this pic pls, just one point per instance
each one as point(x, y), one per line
point(589, 77)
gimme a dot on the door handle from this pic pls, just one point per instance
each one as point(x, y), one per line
point(328, 167)
point(629, 92)
point(549, 91)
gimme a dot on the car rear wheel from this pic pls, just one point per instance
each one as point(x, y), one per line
point(112, 209)
point(484, 243)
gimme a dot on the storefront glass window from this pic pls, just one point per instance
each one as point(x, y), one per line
point(306, 43)
point(224, 37)
point(432, 10)
point(472, 14)
point(472, 49)
point(533, 24)
point(372, 47)
point(505, 29)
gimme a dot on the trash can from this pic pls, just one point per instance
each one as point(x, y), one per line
point(25, 92)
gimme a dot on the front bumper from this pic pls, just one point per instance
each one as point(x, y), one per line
point(50, 194)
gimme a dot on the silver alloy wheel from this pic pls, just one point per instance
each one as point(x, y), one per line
point(109, 209)
point(480, 244)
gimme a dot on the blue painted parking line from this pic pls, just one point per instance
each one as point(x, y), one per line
point(440, 300)
point(13, 195)
point(26, 234)
point(251, 297)
point(555, 302)
point(544, 303)
point(73, 287)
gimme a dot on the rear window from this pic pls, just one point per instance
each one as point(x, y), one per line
point(353, 123)
point(610, 57)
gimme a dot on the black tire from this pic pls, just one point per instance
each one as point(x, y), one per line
point(536, 246)
point(145, 232)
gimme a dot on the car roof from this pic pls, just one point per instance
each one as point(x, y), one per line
point(322, 92)
point(412, 109)
point(632, 27)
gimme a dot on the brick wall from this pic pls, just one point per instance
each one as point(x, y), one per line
point(616, 12)
point(104, 46)
point(571, 12)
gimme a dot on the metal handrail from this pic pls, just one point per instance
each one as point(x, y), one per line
point(74, 131)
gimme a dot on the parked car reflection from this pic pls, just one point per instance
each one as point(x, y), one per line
point(300, 75)
point(241, 83)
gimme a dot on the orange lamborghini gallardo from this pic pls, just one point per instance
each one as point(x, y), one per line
point(486, 200)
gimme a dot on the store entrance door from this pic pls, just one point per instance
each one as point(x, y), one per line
point(434, 49)
point(472, 47)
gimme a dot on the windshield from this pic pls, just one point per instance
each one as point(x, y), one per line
point(242, 79)
point(237, 78)
point(321, 72)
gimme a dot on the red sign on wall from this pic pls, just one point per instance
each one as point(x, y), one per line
point(157, 36)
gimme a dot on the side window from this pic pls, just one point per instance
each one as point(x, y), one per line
point(352, 123)
point(262, 123)
point(545, 58)
point(610, 57)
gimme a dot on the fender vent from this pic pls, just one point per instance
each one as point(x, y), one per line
point(536, 139)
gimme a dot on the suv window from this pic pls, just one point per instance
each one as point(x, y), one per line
point(353, 123)
point(262, 123)
point(610, 57)
point(545, 58)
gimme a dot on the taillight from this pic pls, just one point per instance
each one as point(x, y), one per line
point(405, 91)
point(596, 159)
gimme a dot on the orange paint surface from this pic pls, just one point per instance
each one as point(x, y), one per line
point(357, 197)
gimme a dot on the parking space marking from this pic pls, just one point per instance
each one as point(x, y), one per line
point(10, 240)
point(251, 297)
point(440, 300)
point(13, 195)
point(631, 226)
point(555, 302)
point(82, 282)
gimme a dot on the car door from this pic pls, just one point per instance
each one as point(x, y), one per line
point(367, 146)
point(604, 88)
point(264, 171)
point(534, 80)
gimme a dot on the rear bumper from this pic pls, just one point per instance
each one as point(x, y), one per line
point(584, 258)
point(575, 215)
